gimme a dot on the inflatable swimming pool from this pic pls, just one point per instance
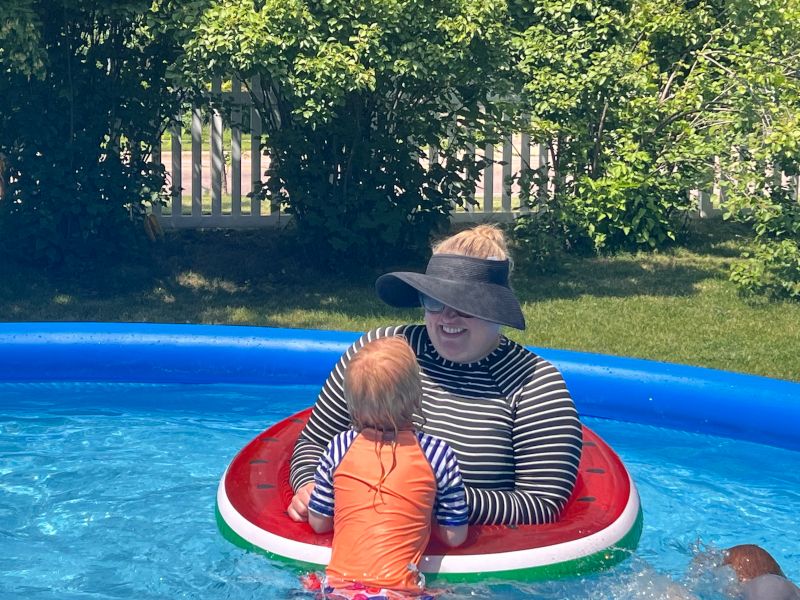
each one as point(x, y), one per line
point(694, 399)
point(599, 527)
point(688, 398)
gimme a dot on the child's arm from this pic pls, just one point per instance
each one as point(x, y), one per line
point(450, 509)
point(451, 535)
point(319, 523)
point(321, 500)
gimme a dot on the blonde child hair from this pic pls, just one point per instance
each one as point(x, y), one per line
point(481, 241)
point(382, 386)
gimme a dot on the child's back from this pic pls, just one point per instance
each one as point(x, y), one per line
point(381, 484)
point(380, 532)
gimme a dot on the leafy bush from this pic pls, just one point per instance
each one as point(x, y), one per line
point(763, 67)
point(772, 265)
point(353, 96)
point(771, 268)
point(640, 102)
point(628, 108)
point(75, 137)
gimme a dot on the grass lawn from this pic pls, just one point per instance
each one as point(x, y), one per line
point(675, 306)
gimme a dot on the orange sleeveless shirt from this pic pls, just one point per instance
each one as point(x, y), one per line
point(378, 533)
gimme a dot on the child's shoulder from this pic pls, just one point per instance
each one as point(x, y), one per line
point(341, 441)
point(433, 445)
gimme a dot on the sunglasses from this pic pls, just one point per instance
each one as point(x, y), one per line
point(432, 305)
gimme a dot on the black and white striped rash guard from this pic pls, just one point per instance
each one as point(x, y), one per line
point(508, 417)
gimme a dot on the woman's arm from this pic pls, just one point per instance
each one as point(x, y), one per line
point(328, 417)
point(548, 440)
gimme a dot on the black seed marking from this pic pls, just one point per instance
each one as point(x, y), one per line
point(269, 439)
point(592, 444)
point(265, 486)
point(296, 420)
point(596, 470)
point(587, 499)
point(258, 461)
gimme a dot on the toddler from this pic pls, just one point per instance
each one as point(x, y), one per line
point(382, 486)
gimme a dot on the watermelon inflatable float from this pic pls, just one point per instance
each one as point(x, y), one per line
point(600, 525)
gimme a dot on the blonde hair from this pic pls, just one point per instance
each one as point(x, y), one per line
point(481, 241)
point(382, 385)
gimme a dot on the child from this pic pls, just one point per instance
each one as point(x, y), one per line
point(380, 484)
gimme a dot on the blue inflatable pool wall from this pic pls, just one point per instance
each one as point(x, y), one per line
point(694, 399)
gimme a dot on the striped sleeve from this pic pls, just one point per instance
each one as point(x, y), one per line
point(547, 443)
point(451, 501)
point(322, 498)
point(329, 415)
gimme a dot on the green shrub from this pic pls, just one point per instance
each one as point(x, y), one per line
point(353, 95)
point(75, 138)
point(772, 264)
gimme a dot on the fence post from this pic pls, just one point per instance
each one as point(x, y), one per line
point(525, 163)
point(702, 200)
point(255, 151)
point(488, 180)
point(217, 156)
point(197, 162)
point(507, 158)
point(156, 156)
point(470, 207)
point(542, 165)
point(236, 148)
point(176, 203)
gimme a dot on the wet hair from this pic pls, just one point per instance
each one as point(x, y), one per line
point(481, 241)
point(382, 386)
point(751, 561)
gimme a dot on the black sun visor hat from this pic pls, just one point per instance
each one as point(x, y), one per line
point(476, 286)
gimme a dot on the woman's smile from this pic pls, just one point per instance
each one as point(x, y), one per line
point(461, 339)
point(452, 330)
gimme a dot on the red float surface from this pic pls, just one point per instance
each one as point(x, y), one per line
point(257, 485)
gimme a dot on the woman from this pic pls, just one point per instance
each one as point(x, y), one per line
point(504, 410)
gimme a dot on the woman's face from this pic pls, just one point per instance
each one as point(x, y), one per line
point(461, 339)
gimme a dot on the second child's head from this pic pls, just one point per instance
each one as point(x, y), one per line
point(382, 385)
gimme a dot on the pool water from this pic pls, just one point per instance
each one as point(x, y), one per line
point(108, 490)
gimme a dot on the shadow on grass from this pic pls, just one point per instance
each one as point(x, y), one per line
point(192, 276)
point(716, 237)
point(616, 277)
point(705, 252)
point(254, 277)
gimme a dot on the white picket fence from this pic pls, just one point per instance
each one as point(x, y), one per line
point(210, 183)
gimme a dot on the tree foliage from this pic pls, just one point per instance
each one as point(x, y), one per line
point(761, 62)
point(354, 94)
point(372, 109)
point(640, 101)
point(613, 93)
point(20, 38)
point(83, 98)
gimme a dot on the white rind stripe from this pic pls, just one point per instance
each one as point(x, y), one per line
point(475, 563)
point(319, 555)
point(539, 557)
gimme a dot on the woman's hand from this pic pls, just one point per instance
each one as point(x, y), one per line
point(298, 508)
